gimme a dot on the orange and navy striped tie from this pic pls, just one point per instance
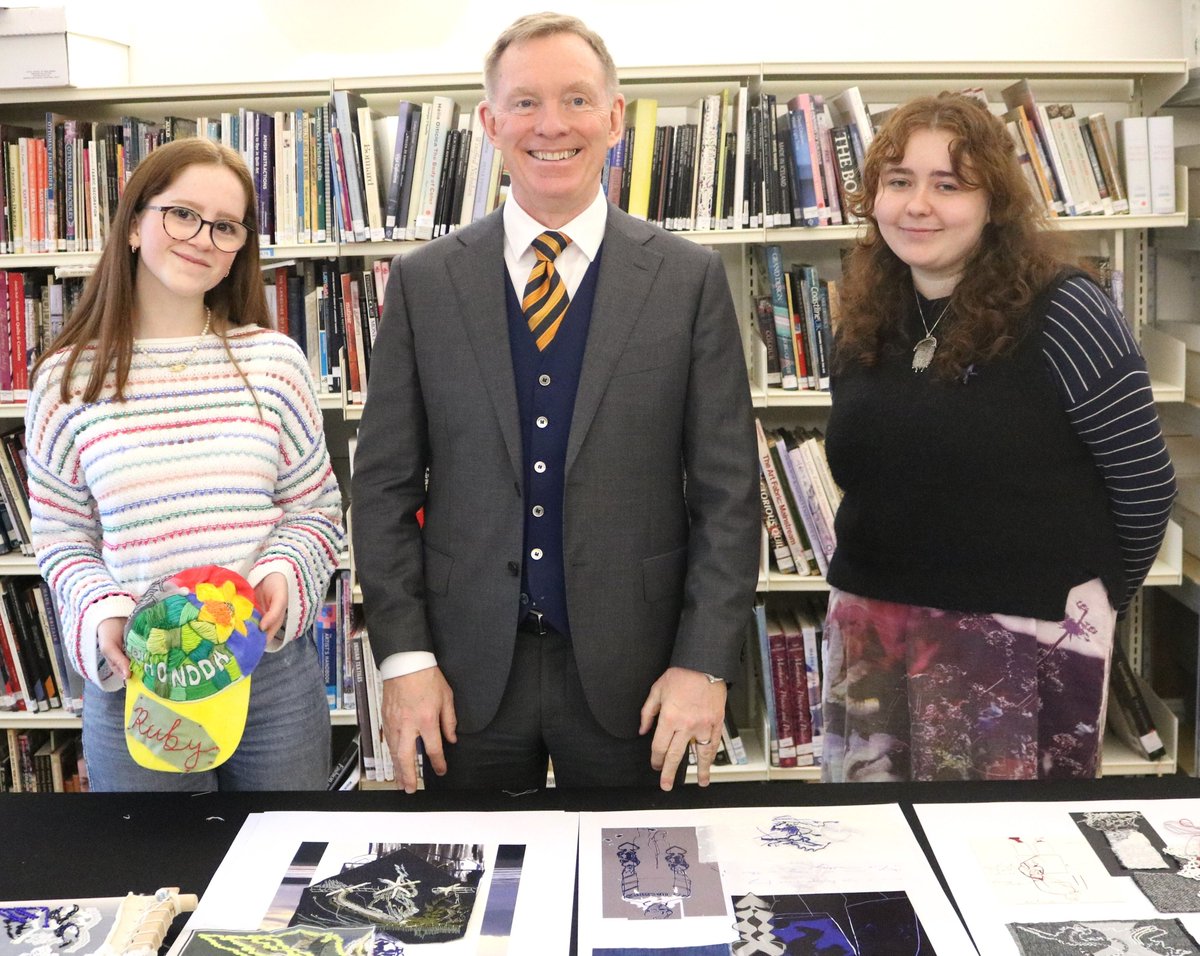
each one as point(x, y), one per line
point(545, 301)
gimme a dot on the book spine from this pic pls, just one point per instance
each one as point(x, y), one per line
point(1102, 137)
point(362, 710)
point(371, 178)
point(440, 125)
point(781, 682)
point(1128, 697)
point(779, 546)
point(395, 180)
point(848, 175)
point(806, 211)
point(73, 683)
point(812, 666)
point(344, 117)
point(783, 319)
point(16, 690)
point(797, 678)
point(770, 743)
point(1160, 137)
point(1134, 145)
point(775, 486)
point(764, 324)
point(797, 484)
point(325, 635)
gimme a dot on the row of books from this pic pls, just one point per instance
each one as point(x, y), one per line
point(33, 306)
point(345, 172)
point(789, 633)
point(374, 755)
point(339, 172)
point(35, 760)
point(15, 530)
point(737, 160)
point(61, 182)
point(332, 309)
point(330, 633)
point(33, 662)
point(799, 499)
point(1077, 167)
point(795, 319)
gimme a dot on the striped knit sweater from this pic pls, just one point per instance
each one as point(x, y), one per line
point(1105, 388)
point(183, 473)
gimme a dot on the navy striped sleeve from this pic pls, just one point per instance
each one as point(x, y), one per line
point(1105, 388)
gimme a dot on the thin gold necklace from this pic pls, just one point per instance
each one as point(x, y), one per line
point(181, 365)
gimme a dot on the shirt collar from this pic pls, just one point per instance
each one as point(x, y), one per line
point(586, 230)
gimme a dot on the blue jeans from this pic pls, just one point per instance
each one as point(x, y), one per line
point(285, 745)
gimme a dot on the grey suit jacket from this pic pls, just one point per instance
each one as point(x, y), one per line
point(661, 525)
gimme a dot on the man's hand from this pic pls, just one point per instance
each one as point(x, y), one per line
point(270, 594)
point(688, 706)
point(420, 704)
point(110, 634)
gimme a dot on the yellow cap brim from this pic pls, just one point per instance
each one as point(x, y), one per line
point(184, 736)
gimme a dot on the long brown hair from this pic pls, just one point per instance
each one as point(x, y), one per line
point(103, 317)
point(1016, 259)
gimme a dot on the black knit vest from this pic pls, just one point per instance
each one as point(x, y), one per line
point(972, 495)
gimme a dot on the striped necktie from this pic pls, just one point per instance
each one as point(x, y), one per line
point(546, 300)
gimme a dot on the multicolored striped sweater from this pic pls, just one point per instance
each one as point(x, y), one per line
point(184, 472)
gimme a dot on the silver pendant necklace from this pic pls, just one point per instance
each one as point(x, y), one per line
point(180, 366)
point(924, 349)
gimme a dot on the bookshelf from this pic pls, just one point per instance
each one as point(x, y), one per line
point(1116, 87)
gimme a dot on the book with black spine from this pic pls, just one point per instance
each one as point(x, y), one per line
point(1128, 712)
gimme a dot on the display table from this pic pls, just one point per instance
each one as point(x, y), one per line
point(90, 845)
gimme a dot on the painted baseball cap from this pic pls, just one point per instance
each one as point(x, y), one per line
point(193, 641)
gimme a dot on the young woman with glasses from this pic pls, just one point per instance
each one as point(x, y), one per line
point(170, 427)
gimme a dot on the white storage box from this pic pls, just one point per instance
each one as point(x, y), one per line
point(47, 46)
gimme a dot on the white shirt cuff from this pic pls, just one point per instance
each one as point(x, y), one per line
point(406, 662)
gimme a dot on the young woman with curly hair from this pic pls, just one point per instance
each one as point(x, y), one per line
point(1006, 484)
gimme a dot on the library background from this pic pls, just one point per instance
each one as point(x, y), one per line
point(743, 133)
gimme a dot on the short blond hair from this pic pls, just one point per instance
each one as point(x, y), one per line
point(534, 26)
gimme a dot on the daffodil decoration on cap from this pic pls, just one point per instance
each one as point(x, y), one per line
point(193, 641)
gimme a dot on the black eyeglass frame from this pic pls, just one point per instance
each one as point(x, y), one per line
point(211, 223)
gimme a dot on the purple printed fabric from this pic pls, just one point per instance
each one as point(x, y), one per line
point(916, 693)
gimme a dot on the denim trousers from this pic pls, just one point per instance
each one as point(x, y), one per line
point(285, 745)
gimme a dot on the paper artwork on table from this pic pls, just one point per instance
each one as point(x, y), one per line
point(413, 892)
point(291, 941)
point(1100, 877)
point(1148, 937)
point(36, 927)
point(658, 873)
point(761, 880)
point(487, 884)
point(1034, 869)
point(831, 924)
point(1123, 840)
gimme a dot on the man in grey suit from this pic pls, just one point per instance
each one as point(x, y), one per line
point(562, 388)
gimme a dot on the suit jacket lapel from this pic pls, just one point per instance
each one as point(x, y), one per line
point(477, 275)
point(627, 270)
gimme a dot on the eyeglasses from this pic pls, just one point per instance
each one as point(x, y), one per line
point(182, 223)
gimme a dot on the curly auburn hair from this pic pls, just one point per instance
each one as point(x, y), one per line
point(1016, 259)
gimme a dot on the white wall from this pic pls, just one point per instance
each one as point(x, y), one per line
point(256, 40)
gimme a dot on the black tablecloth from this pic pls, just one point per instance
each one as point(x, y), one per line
point(84, 845)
